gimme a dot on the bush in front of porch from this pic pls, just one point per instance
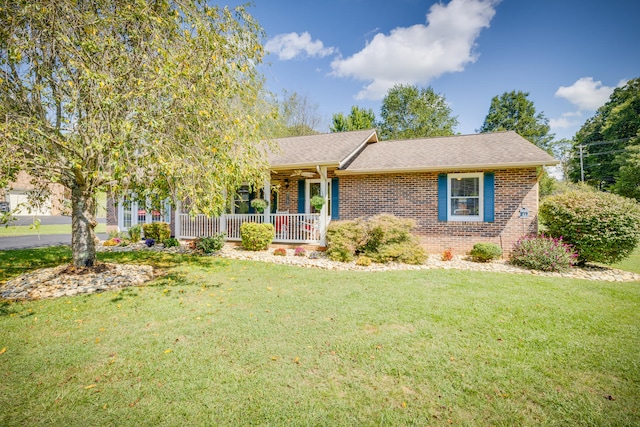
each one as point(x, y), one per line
point(382, 238)
point(256, 237)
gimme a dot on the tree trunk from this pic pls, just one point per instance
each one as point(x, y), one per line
point(83, 224)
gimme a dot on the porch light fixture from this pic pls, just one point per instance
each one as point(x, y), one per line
point(286, 183)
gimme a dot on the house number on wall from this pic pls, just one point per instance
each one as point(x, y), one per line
point(524, 213)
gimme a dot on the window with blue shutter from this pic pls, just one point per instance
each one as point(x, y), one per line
point(466, 197)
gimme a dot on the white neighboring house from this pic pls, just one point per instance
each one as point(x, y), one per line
point(16, 198)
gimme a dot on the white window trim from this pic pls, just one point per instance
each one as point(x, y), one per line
point(307, 194)
point(134, 206)
point(469, 218)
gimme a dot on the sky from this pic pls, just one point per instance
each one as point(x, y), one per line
point(569, 55)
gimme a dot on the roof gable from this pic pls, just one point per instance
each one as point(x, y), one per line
point(330, 149)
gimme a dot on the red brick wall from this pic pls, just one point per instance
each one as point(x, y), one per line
point(415, 195)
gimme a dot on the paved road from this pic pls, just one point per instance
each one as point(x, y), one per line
point(28, 242)
point(47, 220)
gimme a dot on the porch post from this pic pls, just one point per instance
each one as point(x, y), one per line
point(267, 195)
point(223, 217)
point(322, 170)
point(178, 225)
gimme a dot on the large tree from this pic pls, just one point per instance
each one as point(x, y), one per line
point(358, 119)
point(157, 96)
point(606, 138)
point(514, 111)
point(410, 112)
point(297, 115)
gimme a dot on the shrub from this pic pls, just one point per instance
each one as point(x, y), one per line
point(300, 251)
point(387, 229)
point(149, 242)
point(171, 242)
point(135, 233)
point(340, 254)
point(382, 238)
point(255, 236)
point(280, 251)
point(447, 255)
point(158, 231)
point(344, 238)
point(363, 261)
point(407, 252)
point(542, 253)
point(485, 252)
point(602, 227)
point(209, 244)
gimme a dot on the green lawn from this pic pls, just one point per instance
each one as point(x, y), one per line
point(224, 342)
point(632, 263)
point(26, 230)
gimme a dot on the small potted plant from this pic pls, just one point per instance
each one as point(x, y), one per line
point(259, 205)
point(317, 202)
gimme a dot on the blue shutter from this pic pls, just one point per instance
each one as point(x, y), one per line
point(489, 196)
point(301, 194)
point(442, 197)
point(335, 199)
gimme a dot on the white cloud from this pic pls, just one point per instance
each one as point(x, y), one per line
point(419, 53)
point(288, 46)
point(586, 94)
point(566, 120)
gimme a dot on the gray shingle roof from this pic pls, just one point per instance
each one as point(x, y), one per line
point(331, 149)
point(486, 150)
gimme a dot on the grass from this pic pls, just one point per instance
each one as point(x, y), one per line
point(26, 230)
point(632, 263)
point(224, 342)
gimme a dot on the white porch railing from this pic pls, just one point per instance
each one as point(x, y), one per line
point(289, 228)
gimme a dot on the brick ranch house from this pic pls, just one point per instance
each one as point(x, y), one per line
point(460, 190)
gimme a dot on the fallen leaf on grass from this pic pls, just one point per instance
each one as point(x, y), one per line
point(3, 351)
point(90, 386)
point(168, 351)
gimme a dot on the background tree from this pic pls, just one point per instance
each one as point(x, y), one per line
point(410, 112)
point(297, 116)
point(160, 97)
point(628, 177)
point(358, 119)
point(514, 111)
point(607, 135)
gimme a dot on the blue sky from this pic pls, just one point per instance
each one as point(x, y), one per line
point(568, 54)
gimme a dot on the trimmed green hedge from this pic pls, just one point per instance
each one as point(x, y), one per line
point(602, 227)
point(255, 236)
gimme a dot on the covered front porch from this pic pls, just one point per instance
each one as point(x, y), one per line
point(289, 228)
point(288, 194)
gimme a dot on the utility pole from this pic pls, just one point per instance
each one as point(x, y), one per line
point(581, 164)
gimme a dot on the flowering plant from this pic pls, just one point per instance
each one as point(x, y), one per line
point(150, 242)
point(300, 251)
point(280, 251)
point(447, 255)
point(543, 253)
